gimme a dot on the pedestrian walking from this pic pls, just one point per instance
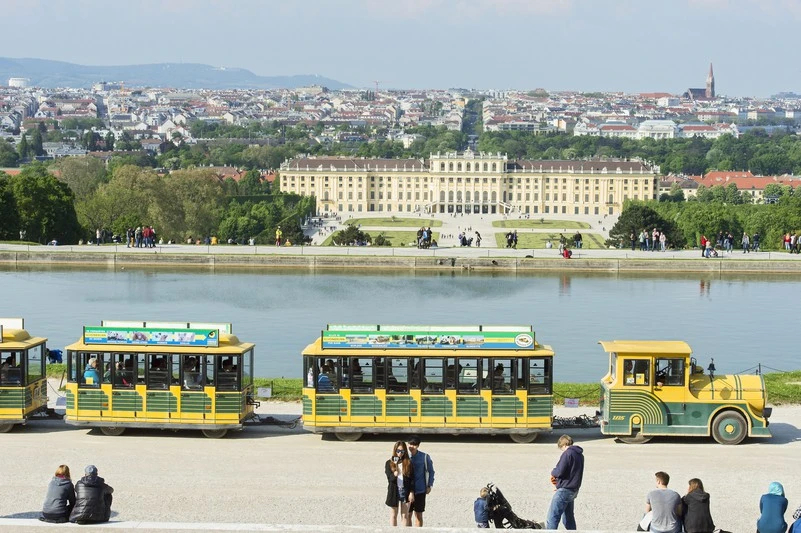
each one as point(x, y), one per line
point(568, 474)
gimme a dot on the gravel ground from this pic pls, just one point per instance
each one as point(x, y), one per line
point(274, 475)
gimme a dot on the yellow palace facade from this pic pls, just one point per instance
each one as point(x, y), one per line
point(469, 182)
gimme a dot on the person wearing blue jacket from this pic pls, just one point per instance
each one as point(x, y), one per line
point(423, 468)
point(772, 507)
point(91, 375)
point(567, 476)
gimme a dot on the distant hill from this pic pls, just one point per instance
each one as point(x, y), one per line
point(45, 73)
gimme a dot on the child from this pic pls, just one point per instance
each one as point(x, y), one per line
point(480, 509)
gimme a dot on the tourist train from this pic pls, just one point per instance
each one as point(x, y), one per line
point(372, 379)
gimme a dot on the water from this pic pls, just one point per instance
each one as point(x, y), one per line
point(740, 321)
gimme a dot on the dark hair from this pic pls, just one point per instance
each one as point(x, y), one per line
point(663, 478)
point(695, 484)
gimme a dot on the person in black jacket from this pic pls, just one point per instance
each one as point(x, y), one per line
point(400, 476)
point(93, 498)
point(697, 518)
point(60, 497)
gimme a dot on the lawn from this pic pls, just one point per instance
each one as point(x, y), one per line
point(395, 221)
point(397, 238)
point(537, 240)
point(540, 223)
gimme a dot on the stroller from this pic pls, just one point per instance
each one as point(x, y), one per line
point(500, 512)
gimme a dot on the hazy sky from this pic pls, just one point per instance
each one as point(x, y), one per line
point(628, 45)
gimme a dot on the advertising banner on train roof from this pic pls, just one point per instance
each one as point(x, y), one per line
point(428, 339)
point(151, 336)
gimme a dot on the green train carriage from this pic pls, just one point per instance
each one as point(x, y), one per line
point(23, 382)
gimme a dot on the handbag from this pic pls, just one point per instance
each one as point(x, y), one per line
point(645, 523)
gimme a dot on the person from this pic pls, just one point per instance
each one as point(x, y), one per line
point(569, 472)
point(423, 475)
point(478, 240)
point(192, 378)
point(666, 506)
point(278, 234)
point(324, 383)
point(695, 509)
point(91, 375)
point(567, 253)
point(92, 499)
point(480, 509)
point(60, 498)
point(772, 507)
point(399, 471)
point(795, 527)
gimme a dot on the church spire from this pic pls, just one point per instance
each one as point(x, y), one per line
point(710, 84)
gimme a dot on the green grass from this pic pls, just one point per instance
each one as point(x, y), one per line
point(284, 389)
point(537, 240)
point(395, 221)
point(783, 387)
point(399, 239)
point(538, 223)
point(29, 243)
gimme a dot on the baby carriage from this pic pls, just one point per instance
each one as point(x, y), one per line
point(500, 512)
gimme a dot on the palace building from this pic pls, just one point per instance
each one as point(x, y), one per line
point(469, 182)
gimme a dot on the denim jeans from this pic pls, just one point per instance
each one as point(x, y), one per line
point(562, 506)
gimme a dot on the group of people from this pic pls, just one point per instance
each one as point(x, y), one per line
point(424, 237)
point(410, 478)
point(86, 502)
point(792, 242)
point(511, 239)
point(649, 241)
point(141, 237)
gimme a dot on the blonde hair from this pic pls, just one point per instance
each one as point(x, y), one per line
point(564, 440)
point(484, 492)
point(63, 471)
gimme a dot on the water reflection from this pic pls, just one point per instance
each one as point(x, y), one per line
point(282, 310)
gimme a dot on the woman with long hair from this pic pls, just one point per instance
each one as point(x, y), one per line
point(399, 483)
point(697, 518)
point(60, 497)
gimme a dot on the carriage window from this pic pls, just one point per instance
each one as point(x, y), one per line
point(468, 376)
point(380, 371)
point(669, 372)
point(451, 372)
point(361, 374)
point(208, 370)
point(35, 363)
point(636, 372)
point(539, 375)
point(327, 375)
point(398, 375)
point(432, 376)
point(193, 375)
point(91, 367)
point(10, 371)
point(158, 371)
point(247, 368)
point(123, 370)
point(228, 373)
point(500, 380)
point(141, 364)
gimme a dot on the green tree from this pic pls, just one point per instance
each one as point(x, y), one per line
point(109, 141)
point(90, 141)
point(636, 217)
point(9, 216)
point(82, 174)
point(36, 143)
point(8, 157)
point(351, 236)
point(22, 147)
point(45, 205)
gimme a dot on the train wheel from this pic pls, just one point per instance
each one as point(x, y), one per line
point(214, 433)
point(348, 436)
point(729, 428)
point(523, 438)
point(112, 431)
point(636, 438)
point(5, 428)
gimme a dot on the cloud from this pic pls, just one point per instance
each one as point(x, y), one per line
point(464, 9)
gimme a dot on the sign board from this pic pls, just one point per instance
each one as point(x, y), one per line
point(571, 402)
point(264, 392)
point(429, 338)
point(151, 336)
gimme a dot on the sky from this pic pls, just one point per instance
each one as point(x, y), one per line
point(586, 45)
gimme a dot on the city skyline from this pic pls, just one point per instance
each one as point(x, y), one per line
point(585, 45)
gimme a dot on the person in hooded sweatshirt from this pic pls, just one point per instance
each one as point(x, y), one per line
point(697, 518)
point(93, 498)
point(568, 474)
point(60, 497)
point(772, 507)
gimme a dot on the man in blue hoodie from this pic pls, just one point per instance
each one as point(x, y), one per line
point(567, 477)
